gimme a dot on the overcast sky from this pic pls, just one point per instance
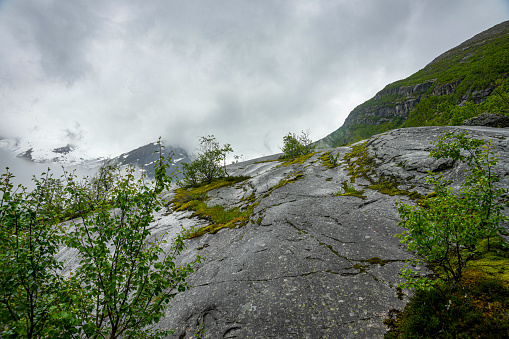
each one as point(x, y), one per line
point(117, 74)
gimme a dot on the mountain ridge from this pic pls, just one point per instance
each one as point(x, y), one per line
point(444, 92)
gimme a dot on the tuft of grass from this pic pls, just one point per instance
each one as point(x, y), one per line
point(329, 160)
point(351, 191)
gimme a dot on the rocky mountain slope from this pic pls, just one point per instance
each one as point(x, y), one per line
point(451, 88)
point(317, 257)
point(71, 156)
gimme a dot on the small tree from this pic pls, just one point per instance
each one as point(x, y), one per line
point(209, 164)
point(33, 302)
point(124, 280)
point(296, 145)
point(446, 228)
point(103, 181)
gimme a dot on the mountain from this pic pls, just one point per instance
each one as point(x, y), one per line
point(63, 154)
point(461, 83)
point(145, 157)
point(73, 156)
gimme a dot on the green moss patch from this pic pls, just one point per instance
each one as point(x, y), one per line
point(194, 199)
point(297, 160)
point(329, 160)
point(351, 191)
point(360, 165)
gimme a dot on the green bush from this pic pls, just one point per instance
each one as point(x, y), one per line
point(446, 228)
point(124, 280)
point(210, 163)
point(296, 145)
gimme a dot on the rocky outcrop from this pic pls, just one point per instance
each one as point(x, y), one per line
point(311, 262)
point(489, 120)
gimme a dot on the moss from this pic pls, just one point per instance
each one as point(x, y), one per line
point(351, 191)
point(297, 160)
point(361, 165)
point(328, 160)
point(194, 199)
point(359, 162)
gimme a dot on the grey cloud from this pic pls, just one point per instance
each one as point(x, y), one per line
point(246, 71)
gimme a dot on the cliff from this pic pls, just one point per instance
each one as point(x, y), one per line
point(451, 88)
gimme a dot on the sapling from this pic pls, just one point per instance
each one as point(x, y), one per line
point(446, 227)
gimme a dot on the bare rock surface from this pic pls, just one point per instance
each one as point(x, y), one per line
point(311, 263)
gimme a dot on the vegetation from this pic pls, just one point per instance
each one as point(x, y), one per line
point(296, 145)
point(456, 233)
point(210, 163)
point(329, 160)
point(194, 199)
point(124, 280)
point(361, 164)
point(349, 190)
point(451, 90)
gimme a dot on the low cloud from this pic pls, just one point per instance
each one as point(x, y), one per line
point(114, 75)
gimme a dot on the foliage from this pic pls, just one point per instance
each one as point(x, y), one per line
point(477, 310)
point(102, 182)
point(125, 277)
point(295, 145)
point(29, 241)
point(210, 163)
point(446, 228)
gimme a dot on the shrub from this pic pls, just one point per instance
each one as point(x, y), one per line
point(446, 228)
point(296, 145)
point(124, 280)
point(210, 163)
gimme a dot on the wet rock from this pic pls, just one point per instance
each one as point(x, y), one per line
point(311, 263)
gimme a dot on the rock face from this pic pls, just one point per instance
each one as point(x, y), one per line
point(489, 120)
point(311, 263)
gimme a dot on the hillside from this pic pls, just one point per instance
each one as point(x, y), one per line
point(463, 82)
point(310, 251)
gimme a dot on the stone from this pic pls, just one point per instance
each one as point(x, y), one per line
point(489, 120)
point(311, 263)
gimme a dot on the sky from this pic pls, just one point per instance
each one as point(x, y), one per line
point(113, 75)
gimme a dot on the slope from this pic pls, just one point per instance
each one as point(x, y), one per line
point(461, 83)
